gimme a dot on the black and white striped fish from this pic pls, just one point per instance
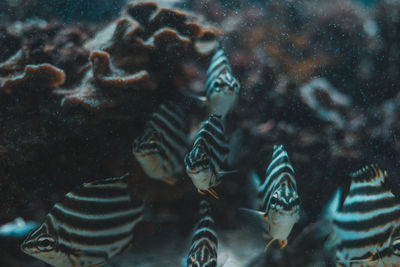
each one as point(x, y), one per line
point(222, 88)
point(163, 145)
point(205, 162)
point(203, 252)
point(366, 221)
point(279, 203)
point(88, 227)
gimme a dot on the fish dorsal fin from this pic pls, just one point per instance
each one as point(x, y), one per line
point(279, 156)
point(205, 207)
point(280, 151)
point(370, 173)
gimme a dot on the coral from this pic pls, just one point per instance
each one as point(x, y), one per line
point(138, 43)
point(104, 86)
point(42, 75)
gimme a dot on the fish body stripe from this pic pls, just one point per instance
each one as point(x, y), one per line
point(217, 154)
point(280, 173)
point(98, 240)
point(219, 64)
point(204, 242)
point(93, 223)
point(163, 145)
point(370, 207)
point(75, 220)
point(95, 206)
point(366, 223)
point(168, 122)
point(367, 190)
point(172, 116)
point(370, 223)
point(212, 136)
point(169, 132)
point(206, 233)
point(378, 238)
point(216, 60)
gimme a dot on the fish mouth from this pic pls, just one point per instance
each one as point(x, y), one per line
point(145, 152)
point(191, 171)
point(142, 154)
point(27, 249)
point(229, 90)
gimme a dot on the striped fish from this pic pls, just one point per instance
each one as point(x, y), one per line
point(203, 252)
point(222, 88)
point(279, 203)
point(367, 221)
point(204, 163)
point(90, 225)
point(163, 145)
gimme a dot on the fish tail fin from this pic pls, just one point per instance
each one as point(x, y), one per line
point(254, 183)
point(326, 231)
point(235, 143)
point(332, 207)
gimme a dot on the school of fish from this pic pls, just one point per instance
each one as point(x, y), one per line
point(96, 221)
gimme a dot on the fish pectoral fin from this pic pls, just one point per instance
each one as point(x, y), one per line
point(213, 193)
point(202, 99)
point(282, 243)
point(222, 173)
point(269, 244)
point(259, 214)
point(201, 191)
point(170, 181)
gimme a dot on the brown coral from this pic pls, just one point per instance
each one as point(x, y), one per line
point(145, 45)
point(17, 76)
point(103, 84)
point(36, 42)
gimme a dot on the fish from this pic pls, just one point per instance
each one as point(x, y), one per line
point(203, 251)
point(222, 88)
point(277, 198)
point(205, 162)
point(88, 227)
point(366, 220)
point(163, 145)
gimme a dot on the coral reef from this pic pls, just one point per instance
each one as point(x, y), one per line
point(146, 45)
point(103, 85)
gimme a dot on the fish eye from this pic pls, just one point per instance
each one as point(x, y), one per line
point(396, 247)
point(273, 200)
point(217, 85)
point(46, 243)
